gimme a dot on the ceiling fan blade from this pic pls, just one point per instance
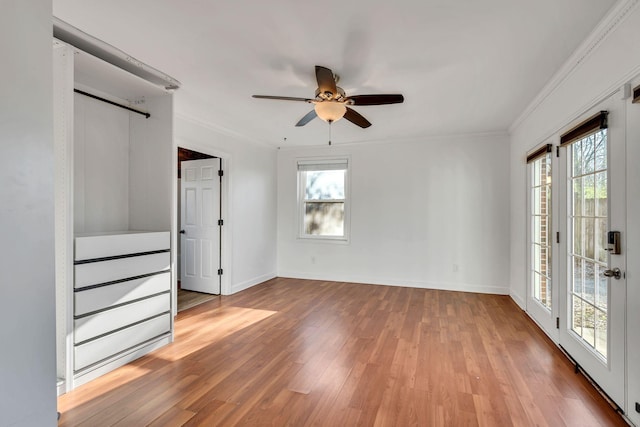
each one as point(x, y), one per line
point(307, 118)
point(282, 98)
point(326, 81)
point(356, 118)
point(377, 99)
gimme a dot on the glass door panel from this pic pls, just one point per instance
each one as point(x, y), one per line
point(592, 200)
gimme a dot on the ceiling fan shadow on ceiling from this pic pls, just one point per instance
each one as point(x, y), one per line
point(331, 103)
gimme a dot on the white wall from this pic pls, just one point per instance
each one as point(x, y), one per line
point(249, 233)
point(101, 166)
point(27, 358)
point(151, 169)
point(428, 214)
point(606, 63)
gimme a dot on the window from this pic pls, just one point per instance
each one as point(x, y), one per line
point(323, 198)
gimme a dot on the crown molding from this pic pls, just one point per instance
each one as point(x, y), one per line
point(607, 25)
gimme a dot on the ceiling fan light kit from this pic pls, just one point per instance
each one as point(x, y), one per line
point(331, 102)
point(330, 111)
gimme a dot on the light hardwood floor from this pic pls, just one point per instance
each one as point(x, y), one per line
point(300, 353)
point(189, 299)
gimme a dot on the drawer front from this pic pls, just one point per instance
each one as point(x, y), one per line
point(94, 273)
point(106, 296)
point(115, 318)
point(102, 348)
point(107, 245)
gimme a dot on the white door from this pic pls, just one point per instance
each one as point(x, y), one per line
point(592, 301)
point(542, 292)
point(199, 228)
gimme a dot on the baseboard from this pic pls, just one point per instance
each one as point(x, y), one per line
point(237, 287)
point(445, 286)
point(518, 300)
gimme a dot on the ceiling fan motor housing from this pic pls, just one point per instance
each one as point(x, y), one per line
point(328, 95)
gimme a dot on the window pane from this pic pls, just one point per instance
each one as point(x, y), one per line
point(588, 226)
point(601, 150)
point(324, 219)
point(322, 185)
point(576, 315)
point(577, 276)
point(589, 282)
point(601, 332)
point(589, 195)
point(577, 236)
point(588, 154)
point(601, 194)
point(577, 197)
point(603, 289)
point(601, 240)
point(576, 149)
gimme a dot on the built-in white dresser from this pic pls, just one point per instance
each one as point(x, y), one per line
point(122, 298)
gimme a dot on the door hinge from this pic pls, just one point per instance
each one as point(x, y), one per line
point(558, 151)
point(220, 222)
point(557, 323)
point(557, 237)
point(219, 272)
point(220, 172)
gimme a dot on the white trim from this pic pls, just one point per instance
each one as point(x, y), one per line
point(237, 287)
point(419, 284)
point(609, 23)
point(518, 300)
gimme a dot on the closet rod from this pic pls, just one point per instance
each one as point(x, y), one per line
point(147, 115)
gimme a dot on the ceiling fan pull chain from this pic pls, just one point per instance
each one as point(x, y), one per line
point(330, 133)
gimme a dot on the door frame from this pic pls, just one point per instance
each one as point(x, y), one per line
point(226, 240)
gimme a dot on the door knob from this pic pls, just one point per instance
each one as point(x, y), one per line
point(182, 232)
point(615, 273)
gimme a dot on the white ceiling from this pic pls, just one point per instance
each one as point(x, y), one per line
point(465, 66)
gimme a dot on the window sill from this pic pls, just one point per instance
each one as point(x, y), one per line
point(324, 239)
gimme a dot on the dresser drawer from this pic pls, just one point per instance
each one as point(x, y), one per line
point(108, 245)
point(93, 273)
point(109, 345)
point(95, 299)
point(106, 321)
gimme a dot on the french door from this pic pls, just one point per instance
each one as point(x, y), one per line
point(591, 279)
point(542, 292)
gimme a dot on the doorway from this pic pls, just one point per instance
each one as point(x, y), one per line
point(198, 258)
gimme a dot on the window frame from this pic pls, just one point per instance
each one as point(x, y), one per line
point(301, 201)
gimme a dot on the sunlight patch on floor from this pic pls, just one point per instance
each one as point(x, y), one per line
point(220, 323)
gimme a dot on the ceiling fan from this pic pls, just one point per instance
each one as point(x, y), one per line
point(332, 104)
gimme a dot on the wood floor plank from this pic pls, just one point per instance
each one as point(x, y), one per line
point(315, 353)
